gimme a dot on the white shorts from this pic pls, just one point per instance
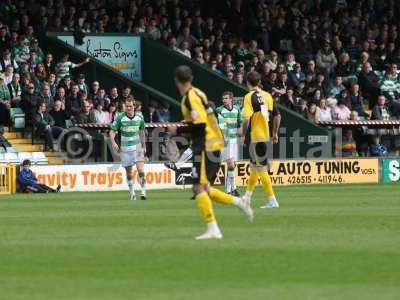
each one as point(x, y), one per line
point(231, 151)
point(129, 158)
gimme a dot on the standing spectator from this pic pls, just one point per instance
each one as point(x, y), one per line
point(73, 103)
point(369, 83)
point(349, 146)
point(58, 114)
point(82, 85)
point(44, 125)
point(49, 64)
point(29, 101)
point(63, 68)
point(51, 80)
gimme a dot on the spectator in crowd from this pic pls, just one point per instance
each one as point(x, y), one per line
point(369, 83)
point(380, 110)
point(336, 87)
point(349, 147)
point(58, 114)
point(100, 115)
point(164, 113)
point(114, 97)
point(15, 90)
point(302, 108)
point(323, 112)
point(8, 74)
point(86, 115)
point(63, 68)
point(7, 60)
point(326, 59)
point(126, 93)
point(45, 95)
point(20, 51)
point(111, 111)
point(94, 90)
point(44, 125)
point(5, 102)
point(357, 100)
point(312, 111)
point(49, 64)
point(377, 149)
point(28, 182)
point(82, 84)
point(73, 103)
point(153, 115)
point(29, 101)
point(341, 112)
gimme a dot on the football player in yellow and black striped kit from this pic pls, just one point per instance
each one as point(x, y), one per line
point(260, 112)
point(207, 143)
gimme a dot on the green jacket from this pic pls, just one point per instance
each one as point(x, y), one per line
point(4, 93)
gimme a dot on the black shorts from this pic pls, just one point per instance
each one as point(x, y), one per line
point(259, 153)
point(205, 167)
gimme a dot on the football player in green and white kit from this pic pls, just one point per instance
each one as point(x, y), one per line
point(229, 119)
point(133, 144)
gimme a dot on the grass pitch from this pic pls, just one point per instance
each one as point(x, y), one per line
point(325, 242)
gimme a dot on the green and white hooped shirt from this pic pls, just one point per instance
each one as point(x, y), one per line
point(129, 129)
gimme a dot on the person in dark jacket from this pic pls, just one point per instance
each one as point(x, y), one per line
point(29, 101)
point(152, 116)
point(43, 124)
point(381, 111)
point(28, 182)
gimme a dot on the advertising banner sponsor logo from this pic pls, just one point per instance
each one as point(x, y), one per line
point(120, 52)
point(391, 170)
point(293, 172)
point(101, 177)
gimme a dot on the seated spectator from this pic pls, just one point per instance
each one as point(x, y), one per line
point(312, 110)
point(346, 69)
point(336, 87)
point(100, 115)
point(58, 114)
point(152, 116)
point(296, 75)
point(302, 108)
point(51, 80)
point(349, 146)
point(5, 102)
point(326, 60)
point(15, 90)
point(28, 182)
point(44, 124)
point(7, 60)
point(94, 90)
point(357, 101)
point(390, 83)
point(126, 93)
point(114, 97)
point(86, 116)
point(49, 64)
point(323, 112)
point(8, 74)
point(380, 110)
point(289, 99)
point(184, 49)
point(111, 111)
point(21, 51)
point(45, 95)
point(341, 112)
point(164, 113)
point(377, 149)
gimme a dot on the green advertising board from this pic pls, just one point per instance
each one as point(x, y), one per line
point(391, 170)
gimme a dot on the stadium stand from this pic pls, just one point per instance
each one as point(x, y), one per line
point(325, 60)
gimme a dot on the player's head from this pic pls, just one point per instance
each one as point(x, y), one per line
point(227, 98)
point(253, 79)
point(183, 78)
point(130, 105)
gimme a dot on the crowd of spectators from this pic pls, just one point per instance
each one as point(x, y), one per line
point(325, 59)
